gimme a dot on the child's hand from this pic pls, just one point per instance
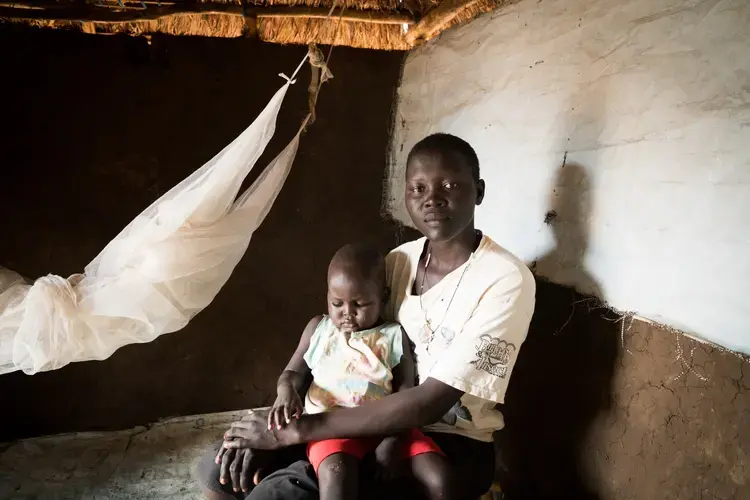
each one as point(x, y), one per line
point(286, 406)
point(389, 458)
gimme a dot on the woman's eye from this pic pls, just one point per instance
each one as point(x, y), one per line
point(450, 185)
point(337, 304)
point(362, 304)
point(417, 189)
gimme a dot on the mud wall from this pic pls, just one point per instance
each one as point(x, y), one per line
point(602, 407)
point(97, 127)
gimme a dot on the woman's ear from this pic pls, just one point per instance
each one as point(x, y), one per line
point(480, 191)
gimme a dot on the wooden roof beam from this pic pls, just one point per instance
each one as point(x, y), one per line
point(436, 19)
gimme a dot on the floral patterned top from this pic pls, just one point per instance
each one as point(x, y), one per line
point(347, 373)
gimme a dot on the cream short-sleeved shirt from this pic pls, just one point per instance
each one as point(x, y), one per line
point(479, 323)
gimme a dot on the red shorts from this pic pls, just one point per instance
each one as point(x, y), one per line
point(417, 444)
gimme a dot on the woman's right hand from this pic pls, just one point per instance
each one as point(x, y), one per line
point(288, 405)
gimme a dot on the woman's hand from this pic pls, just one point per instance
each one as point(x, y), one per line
point(252, 432)
point(287, 405)
point(241, 467)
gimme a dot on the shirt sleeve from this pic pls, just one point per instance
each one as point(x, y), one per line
point(312, 355)
point(481, 357)
point(397, 345)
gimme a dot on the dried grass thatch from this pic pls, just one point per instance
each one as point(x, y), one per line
point(371, 24)
point(330, 32)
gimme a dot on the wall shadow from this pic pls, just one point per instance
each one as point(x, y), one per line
point(562, 381)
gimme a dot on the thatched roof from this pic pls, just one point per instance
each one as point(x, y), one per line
point(373, 24)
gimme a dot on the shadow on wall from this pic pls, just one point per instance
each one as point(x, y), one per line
point(563, 378)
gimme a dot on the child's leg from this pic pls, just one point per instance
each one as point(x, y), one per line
point(338, 477)
point(433, 472)
point(430, 467)
point(336, 462)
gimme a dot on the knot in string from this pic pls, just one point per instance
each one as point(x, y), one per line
point(317, 60)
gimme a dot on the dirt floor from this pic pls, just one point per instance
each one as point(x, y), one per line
point(145, 463)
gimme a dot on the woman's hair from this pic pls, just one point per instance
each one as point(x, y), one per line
point(447, 143)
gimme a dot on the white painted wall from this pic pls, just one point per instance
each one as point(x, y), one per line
point(650, 100)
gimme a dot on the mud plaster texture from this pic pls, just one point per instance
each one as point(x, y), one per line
point(97, 127)
point(597, 413)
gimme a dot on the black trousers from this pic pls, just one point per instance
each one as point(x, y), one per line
point(473, 463)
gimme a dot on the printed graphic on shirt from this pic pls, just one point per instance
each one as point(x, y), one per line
point(493, 355)
point(457, 412)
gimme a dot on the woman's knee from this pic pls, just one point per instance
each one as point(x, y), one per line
point(294, 482)
point(435, 475)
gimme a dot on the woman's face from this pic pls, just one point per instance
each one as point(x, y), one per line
point(441, 194)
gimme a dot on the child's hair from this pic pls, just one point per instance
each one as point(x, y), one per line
point(447, 143)
point(362, 258)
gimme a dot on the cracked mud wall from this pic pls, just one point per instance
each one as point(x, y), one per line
point(594, 412)
point(677, 430)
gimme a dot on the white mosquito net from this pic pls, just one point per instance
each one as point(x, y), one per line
point(164, 268)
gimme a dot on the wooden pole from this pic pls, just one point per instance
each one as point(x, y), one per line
point(105, 15)
point(435, 20)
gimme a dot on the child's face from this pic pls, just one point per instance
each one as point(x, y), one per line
point(354, 302)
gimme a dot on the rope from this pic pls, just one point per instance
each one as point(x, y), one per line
point(291, 79)
point(320, 72)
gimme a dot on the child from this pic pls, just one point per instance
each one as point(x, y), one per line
point(355, 357)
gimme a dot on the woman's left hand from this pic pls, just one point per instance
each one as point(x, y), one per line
point(241, 468)
point(252, 432)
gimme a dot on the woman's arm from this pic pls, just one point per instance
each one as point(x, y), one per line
point(497, 327)
point(409, 408)
point(399, 412)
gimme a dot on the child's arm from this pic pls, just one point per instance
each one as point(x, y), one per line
point(292, 382)
point(403, 373)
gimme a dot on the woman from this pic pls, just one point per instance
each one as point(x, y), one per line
point(466, 304)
